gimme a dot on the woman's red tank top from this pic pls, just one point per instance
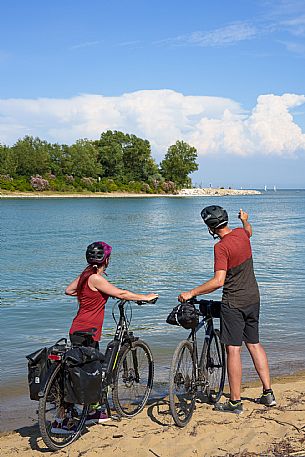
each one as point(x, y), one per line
point(91, 311)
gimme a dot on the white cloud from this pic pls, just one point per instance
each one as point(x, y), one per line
point(295, 48)
point(223, 36)
point(86, 44)
point(295, 26)
point(215, 125)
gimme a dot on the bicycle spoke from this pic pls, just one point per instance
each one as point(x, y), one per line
point(182, 384)
point(133, 379)
point(214, 360)
point(60, 422)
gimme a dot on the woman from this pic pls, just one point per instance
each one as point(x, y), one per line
point(92, 291)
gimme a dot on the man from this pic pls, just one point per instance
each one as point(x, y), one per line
point(233, 270)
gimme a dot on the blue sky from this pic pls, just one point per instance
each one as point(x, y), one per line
point(211, 73)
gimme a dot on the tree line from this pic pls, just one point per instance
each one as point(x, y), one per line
point(116, 162)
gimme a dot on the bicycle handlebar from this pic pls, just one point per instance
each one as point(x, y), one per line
point(194, 301)
point(151, 302)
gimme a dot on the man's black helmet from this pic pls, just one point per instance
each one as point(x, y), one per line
point(214, 216)
point(97, 253)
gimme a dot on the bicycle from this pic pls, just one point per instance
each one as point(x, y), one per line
point(127, 369)
point(190, 374)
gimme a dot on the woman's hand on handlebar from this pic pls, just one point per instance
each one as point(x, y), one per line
point(151, 296)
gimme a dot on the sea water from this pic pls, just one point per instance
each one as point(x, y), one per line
point(159, 245)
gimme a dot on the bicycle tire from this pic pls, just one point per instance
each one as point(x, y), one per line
point(54, 395)
point(182, 392)
point(133, 379)
point(213, 363)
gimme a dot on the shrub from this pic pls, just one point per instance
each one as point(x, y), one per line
point(23, 184)
point(169, 187)
point(69, 179)
point(38, 183)
point(6, 182)
point(146, 188)
point(6, 178)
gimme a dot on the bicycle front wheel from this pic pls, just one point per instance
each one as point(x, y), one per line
point(133, 379)
point(182, 390)
point(60, 423)
point(213, 362)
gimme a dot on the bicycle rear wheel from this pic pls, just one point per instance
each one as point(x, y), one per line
point(182, 391)
point(133, 379)
point(60, 423)
point(213, 362)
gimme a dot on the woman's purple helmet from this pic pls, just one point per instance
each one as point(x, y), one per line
point(98, 252)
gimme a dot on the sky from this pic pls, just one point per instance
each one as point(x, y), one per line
point(227, 77)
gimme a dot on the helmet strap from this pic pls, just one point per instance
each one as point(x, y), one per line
point(213, 234)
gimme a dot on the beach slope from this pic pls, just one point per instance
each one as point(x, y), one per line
point(259, 431)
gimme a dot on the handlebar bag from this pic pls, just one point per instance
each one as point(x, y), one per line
point(38, 365)
point(185, 315)
point(83, 375)
point(188, 316)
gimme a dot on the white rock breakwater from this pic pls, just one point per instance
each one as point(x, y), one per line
point(216, 192)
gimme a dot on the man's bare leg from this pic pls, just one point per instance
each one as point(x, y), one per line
point(260, 362)
point(234, 368)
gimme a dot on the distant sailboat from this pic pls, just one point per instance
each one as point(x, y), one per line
point(265, 188)
point(274, 188)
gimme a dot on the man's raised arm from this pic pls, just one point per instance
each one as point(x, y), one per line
point(243, 216)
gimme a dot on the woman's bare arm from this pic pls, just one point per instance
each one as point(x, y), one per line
point(100, 283)
point(72, 288)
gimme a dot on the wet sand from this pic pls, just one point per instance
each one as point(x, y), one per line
point(259, 431)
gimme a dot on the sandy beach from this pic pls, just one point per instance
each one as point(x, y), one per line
point(206, 192)
point(259, 431)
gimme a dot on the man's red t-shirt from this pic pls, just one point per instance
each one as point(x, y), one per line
point(234, 255)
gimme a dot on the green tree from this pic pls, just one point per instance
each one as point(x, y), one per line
point(125, 157)
point(58, 156)
point(179, 162)
point(81, 159)
point(7, 161)
point(138, 163)
point(110, 153)
point(31, 156)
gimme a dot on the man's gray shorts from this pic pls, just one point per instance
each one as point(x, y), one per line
point(239, 324)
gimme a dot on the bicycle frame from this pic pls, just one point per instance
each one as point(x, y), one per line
point(122, 337)
point(205, 322)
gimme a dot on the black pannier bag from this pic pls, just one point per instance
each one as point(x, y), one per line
point(38, 365)
point(185, 315)
point(214, 307)
point(83, 375)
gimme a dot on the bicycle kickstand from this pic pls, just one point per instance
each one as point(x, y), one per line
point(105, 402)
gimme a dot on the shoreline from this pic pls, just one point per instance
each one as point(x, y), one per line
point(277, 431)
point(194, 192)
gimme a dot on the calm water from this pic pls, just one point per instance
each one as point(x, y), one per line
point(159, 244)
